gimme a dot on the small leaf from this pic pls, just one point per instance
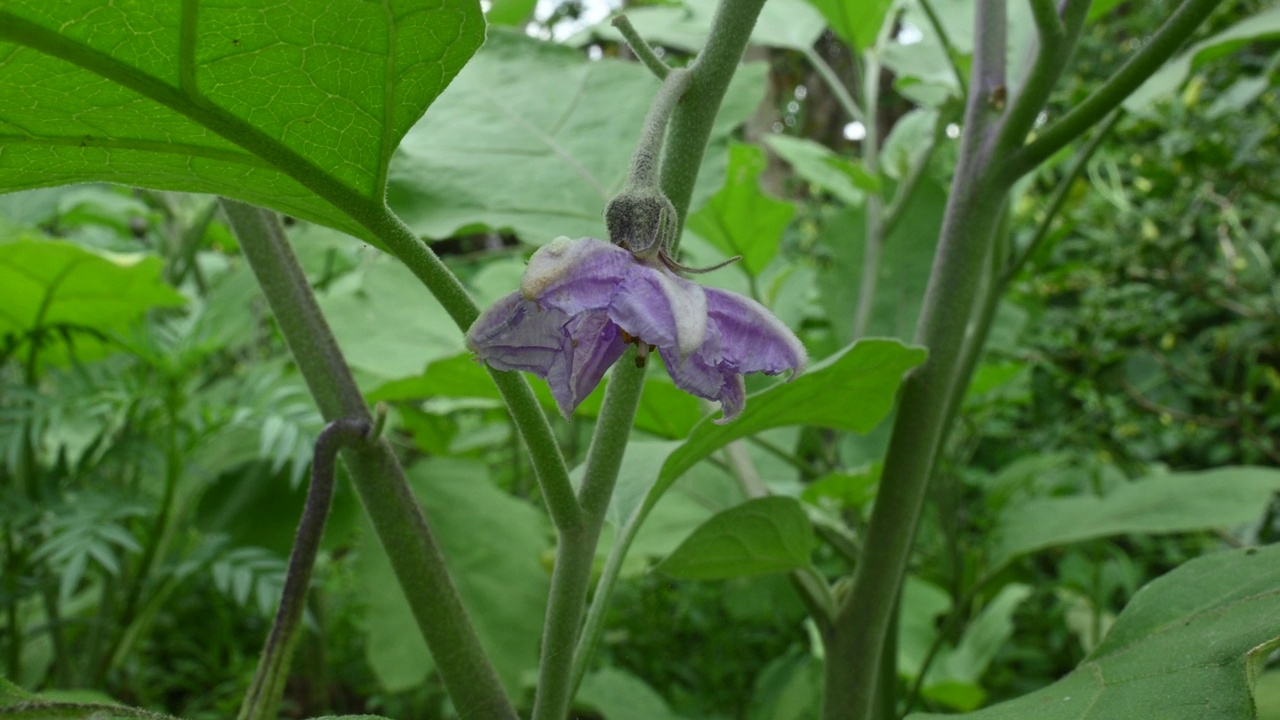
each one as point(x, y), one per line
point(618, 695)
point(740, 219)
point(1187, 647)
point(760, 536)
point(818, 164)
point(852, 390)
point(857, 22)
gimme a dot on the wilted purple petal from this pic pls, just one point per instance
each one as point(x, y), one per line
point(592, 345)
point(697, 377)
point(576, 276)
point(662, 309)
point(514, 334)
point(750, 338)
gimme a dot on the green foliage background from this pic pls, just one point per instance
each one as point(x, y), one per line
point(155, 435)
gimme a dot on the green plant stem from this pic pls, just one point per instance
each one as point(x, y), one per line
point(874, 233)
point(643, 52)
point(862, 624)
point(691, 125)
point(1057, 38)
point(690, 128)
point(829, 76)
point(1162, 45)
point(263, 698)
point(576, 551)
point(948, 46)
point(398, 520)
point(643, 172)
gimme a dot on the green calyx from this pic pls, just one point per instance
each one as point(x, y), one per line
point(642, 220)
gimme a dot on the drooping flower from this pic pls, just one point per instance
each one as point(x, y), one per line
point(581, 302)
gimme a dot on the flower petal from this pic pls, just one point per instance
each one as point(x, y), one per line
point(750, 339)
point(593, 344)
point(575, 276)
point(571, 353)
point(696, 376)
point(513, 334)
point(662, 309)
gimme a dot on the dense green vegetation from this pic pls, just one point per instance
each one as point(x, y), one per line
point(1122, 423)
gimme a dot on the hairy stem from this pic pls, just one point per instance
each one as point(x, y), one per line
point(854, 652)
point(263, 698)
point(643, 52)
point(694, 118)
point(644, 162)
point(398, 520)
point(576, 551)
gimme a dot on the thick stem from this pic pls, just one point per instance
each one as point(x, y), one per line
point(377, 475)
point(866, 614)
point(263, 698)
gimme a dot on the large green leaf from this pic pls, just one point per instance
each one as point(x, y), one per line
point(741, 219)
point(760, 536)
point(1187, 647)
point(1168, 79)
point(386, 323)
point(541, 151)
point(904, 266)
point(292, 105)
point(789, 24)
point(1181, 502)
point(492, 543)
point(57, 286)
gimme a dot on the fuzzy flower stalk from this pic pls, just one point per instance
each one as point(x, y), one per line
point(581, 302)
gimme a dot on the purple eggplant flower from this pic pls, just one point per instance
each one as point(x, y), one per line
point(581, 303)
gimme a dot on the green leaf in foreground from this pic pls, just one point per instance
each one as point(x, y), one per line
point(540, 151)
point(1187, 647)
point(1182, 502)
point(46, 286)
point(296, 106)
point(852, 390)
point(741, 219)
point(760, 536)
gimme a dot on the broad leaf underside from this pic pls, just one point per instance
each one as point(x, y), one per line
point(291, 105)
